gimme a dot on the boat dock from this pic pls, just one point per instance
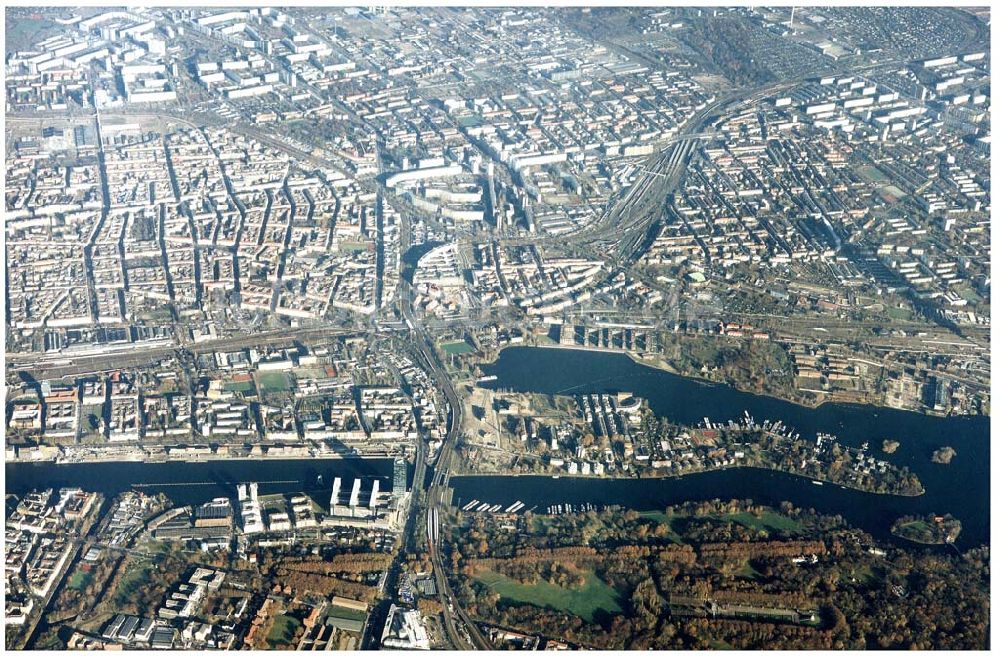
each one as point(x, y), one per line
point(518, 507)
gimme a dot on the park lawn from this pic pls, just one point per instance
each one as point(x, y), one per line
point(916, 530)
point(282, 630)
point(273, 382)
point(157, 315)
point(899, 313)
point(78, 581)
point(863, 574)
point(872, 174)
point(663, 519)
point(968, 294)
point(22, 32)
point(893, 191)
point(139, 574)
point(768, 521)
point(457, 347)
point(583, 602)
point(150, 545)
point(658, 516)
point(311, 372)
point(87, 412)
point(352, 247)
point(918, 525)
point(748, 572)
point(238, 386)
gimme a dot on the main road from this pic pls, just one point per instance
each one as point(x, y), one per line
point(118, 356)
point(434, 493)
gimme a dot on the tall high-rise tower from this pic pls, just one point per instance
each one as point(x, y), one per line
point(399, 477)
point(335, 494)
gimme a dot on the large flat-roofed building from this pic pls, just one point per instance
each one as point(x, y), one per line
point(356, 503)
point(414, 175)
point(346, 624)
point(251, 516)
point(182, 529)
point(403, 630)
point(217, 513)
point(363, 504)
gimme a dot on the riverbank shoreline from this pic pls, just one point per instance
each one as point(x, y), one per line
point(637, 358)
point(207, 459)
point(960, 488)
point(872, 513)
point(195, 483)
point(229, 459)
point(658, 477)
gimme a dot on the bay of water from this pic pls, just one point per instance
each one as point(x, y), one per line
point(960, 488)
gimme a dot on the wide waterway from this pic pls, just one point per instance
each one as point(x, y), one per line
point(960, 488)
point(195, 482)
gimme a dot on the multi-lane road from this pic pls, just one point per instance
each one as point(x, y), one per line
point(433, 495)
point(435, 492)
point(117, 356)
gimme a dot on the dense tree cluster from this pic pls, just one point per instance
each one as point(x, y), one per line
point(745, 364)
point(930, 529)
point(343, 574)
point(723, 41)
point(341, 563)
point(944, 455)
point(668, 568)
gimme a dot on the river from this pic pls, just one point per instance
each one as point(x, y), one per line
point(960, 488)
point(191, 483)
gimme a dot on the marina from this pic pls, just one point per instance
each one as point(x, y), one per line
point(519, 507)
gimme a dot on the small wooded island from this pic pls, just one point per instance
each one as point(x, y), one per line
point(930, 529)
point(943, 455)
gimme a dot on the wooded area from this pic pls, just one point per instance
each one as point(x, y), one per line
point(827, 584)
